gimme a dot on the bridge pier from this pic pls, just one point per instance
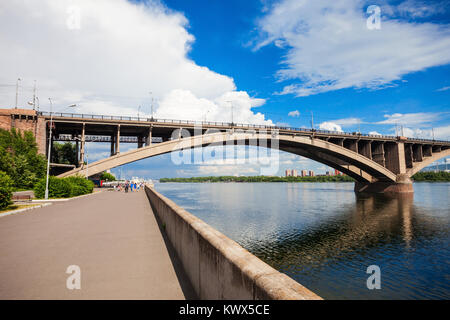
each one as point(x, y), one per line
point(395, 160)
point(117, 151)
point(113, 152)
point(148, 141)
point(402, 185)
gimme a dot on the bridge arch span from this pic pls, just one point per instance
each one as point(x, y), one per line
point(349, 162)
point(427, 161)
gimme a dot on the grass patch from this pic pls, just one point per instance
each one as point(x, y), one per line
point(17, 207)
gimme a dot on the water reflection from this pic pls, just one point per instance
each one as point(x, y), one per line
point(325, 236)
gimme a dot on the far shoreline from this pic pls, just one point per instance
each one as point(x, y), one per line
point(430, 176)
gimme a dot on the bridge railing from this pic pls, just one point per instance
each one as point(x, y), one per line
point(222, 124)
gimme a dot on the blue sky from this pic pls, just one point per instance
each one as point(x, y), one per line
point(277, 60)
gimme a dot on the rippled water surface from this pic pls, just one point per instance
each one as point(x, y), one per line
point(325, 236)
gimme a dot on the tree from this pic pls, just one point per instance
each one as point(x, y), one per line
point(6, 185)
point(107, 177)
point(19, 158)
point(64, 153)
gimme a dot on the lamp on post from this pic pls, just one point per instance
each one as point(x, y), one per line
point(50, 144)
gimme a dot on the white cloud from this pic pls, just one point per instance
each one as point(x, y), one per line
point(330, 47)
point(347, 121)
point(444, 89)
point(120, 53)
point(294, 114)
point(420, 118)
point(236, 106)
point(330, 126)
point(375, 133)
point(438, 133)
point(418, 9)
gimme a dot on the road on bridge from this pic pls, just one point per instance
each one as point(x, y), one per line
point(112, 236)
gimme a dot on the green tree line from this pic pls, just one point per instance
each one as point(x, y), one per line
point(340, 178)
point(430, 176)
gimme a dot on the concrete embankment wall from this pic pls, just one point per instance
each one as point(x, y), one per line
point(217, 266)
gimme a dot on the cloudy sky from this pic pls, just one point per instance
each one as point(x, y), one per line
point(276, 62)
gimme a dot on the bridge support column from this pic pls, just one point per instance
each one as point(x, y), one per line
point(77, 148)
point(113, 152)
point(118, 139)
point(83, 140)
point(148, 141)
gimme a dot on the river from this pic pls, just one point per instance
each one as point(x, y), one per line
point(325, 236)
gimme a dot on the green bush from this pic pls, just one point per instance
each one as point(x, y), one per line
point(80, 185)
point(57, 188)
point(63, 187)
point(6, 186)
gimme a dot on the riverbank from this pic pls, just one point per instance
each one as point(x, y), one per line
point(440, 176)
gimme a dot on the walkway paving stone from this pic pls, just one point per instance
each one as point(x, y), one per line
point(112, 236)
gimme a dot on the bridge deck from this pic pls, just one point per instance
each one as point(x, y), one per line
point(113, 237)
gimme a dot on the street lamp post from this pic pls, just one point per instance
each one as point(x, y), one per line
point(50, 144)
point(87, 164)
point(49, 147)
point(17, 90)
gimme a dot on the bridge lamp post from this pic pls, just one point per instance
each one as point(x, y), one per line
point(232, 112)
point(151, 95)
point(50, 144)
point(204, 118)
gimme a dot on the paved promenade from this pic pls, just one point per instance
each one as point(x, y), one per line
point(112, 236)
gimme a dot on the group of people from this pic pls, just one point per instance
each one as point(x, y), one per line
point(129, 186)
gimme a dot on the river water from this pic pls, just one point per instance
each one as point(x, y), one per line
point(325, 236)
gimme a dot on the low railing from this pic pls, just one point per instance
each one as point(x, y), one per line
point(224, 124)
point(99, 138)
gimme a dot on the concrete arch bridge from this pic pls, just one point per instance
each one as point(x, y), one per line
point(377, 163)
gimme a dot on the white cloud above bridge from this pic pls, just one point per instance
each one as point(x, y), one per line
point(107, 56)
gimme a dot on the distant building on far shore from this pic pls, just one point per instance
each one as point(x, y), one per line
point(294, 173)
point(311, 173)
point(304, 173)
point(337, 172)
point(288, 173)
